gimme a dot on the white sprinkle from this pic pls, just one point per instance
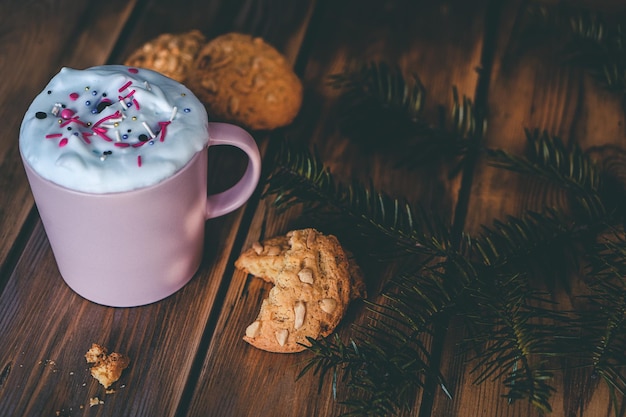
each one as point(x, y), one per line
point(152, 135)
point(147, 84)
point(56, 108)
point(174, 111)
point(118, 137)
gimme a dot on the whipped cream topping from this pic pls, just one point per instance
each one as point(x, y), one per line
point(112, 128)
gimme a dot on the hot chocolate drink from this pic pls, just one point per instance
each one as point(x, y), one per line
point(112, 129)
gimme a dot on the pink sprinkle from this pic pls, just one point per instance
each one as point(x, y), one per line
point(121, 144)
point(74, 96)
point(85, 137)
point(63, 142)
point(163, 129)
point(138, 144)
point(139, 161)
point(116, 115)
point(101, 132)
point(125, 86)
point(136, 103)
point(54, 135)
point(127, 95)
point(133, 70)
point(73, 119)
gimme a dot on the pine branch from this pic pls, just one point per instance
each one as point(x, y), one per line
point(446, 280)
point(300, 177)
point(571, 169)
point(517, 330)
point(382, 370)
point(591, 42)
point(380, 90)
point(380, 107)
point(604, 323)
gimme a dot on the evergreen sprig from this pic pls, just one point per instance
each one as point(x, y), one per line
point(300, 177)
point(591, 41)
point(515, 331)
point(604, 323)
point(384, 109)
point(571, 169)
point(515, 328)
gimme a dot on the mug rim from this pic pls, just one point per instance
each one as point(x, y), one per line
point(60, 187)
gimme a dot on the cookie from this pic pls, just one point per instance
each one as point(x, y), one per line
point(314, 282)
point(107, 368)
point(244, 80)
point(170, 54)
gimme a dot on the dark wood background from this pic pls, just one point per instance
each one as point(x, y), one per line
point(188, 356)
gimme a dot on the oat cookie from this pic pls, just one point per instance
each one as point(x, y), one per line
point(170, 54)
point(107, 367)
point(244, 80)
point(314, 282)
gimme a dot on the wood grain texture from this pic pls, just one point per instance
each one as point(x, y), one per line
point(403, 32)
point(530, 88)
point(187, 355)
point(165, 335)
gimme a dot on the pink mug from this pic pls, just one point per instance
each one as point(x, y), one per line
point(136, 247)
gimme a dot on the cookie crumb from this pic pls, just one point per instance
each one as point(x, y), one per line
point(107, 368)
point(95, 401)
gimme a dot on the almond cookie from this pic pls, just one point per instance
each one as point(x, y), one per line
point(244, 80)
point(107, 368)
point(314, 282)
point(170, 54)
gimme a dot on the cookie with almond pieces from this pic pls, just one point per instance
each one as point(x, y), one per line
point(314, 282)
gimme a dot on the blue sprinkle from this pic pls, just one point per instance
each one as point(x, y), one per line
point(129, 104)
point(151, 142)
point(94, 111)
point(187, 110)
point(94, 93)
point(87, 103)
point(124, 136)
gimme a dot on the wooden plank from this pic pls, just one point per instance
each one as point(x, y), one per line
point(529, 88)
point(239, 380)
point(36, 41)
point(43, 370)
point(48, 372)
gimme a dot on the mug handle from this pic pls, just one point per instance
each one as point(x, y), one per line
point(234, 197)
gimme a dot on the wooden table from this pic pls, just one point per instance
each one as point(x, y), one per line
point(188, 357)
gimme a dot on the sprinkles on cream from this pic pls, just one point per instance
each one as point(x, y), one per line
point(112, 129)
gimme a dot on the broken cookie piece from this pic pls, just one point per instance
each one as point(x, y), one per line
point(314, 281)
point(107, 368)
